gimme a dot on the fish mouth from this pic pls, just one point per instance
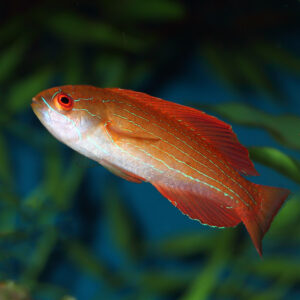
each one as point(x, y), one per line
point(33, 101)
point(35, 105)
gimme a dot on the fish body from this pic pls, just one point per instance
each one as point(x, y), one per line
point(193, 159)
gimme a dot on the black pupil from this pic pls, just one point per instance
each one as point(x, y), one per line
point(64, 100)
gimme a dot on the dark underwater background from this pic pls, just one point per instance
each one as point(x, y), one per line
point(69, 229)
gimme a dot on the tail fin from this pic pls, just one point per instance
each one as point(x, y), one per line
point(269, 201)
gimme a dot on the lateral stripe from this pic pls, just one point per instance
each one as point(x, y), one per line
point(203, 174)
point(122, 150)
point(227, 175)
point(182, 173)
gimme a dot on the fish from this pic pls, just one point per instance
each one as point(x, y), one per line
point(193, 159)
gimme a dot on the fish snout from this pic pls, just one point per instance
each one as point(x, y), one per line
point(35, 104)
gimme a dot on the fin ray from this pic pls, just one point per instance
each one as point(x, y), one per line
point(200, 207)
point(257, 224)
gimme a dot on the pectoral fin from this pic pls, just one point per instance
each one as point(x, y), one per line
point(121, 133)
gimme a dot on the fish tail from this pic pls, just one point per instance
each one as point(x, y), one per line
point(269, 202)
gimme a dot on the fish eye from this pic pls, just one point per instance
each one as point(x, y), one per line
point(64, 101)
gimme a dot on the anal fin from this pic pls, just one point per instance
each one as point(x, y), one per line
point(200, 207)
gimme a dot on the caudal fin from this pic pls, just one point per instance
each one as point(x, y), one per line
point(269, 201)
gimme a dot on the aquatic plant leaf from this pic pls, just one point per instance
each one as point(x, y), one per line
point(11, 57)
point(36, 199)
point(67, 179)
point(277, 55)
point(277, 160)
point(71, 181)
point(287, 218)
point(21, 93)
point(6, 176)
point(222, 63)
point(155, 10)
point(12, 28)
point(43, 290)
point(68, 298)
point(123, 224)
point(111, 69)
point(8, 218)
point(36, 263)
point(203, 285)
point(254, 75)
point(283, 128)
point(188, 244)
point(277, 292)
point(53, 172)
point(77, 29)
point(72, 67)
point(164, 282)
point(88, 262)
point(11, 291)
point(235, 288)
point(273, 267)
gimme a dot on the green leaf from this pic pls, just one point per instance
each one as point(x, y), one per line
point(254, 75)
point(154, 10)
point(276, 292)
point(8, 220)
point(221, 62)
point(6, 175)
point(11, 291)
point(283, 128)
point(68, 298)
point(21, 92)
point(163, 282)
point(72, 66)
point(277, 160)
point(202, 286)
point(39, 258)
point(111, 69)
point(91, 264)
point(43, 290)
point(71, 181)
point(277, 55)
point(53, 172)
point(11, 57)
point(12, 29)
point(123, 225)
point(273, 267)
point(67, 179)
point(77, 29)
point(287, 219)
point(186, 245)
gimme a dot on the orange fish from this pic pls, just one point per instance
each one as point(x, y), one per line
point(193, 159)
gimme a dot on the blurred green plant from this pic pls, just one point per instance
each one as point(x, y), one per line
point(11, 291)
point(43, 46)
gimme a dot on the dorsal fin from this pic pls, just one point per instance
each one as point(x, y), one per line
point(209, 128)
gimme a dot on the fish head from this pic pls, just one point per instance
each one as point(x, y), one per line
point(68, 112)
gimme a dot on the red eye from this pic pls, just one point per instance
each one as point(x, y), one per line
point(64, 101)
